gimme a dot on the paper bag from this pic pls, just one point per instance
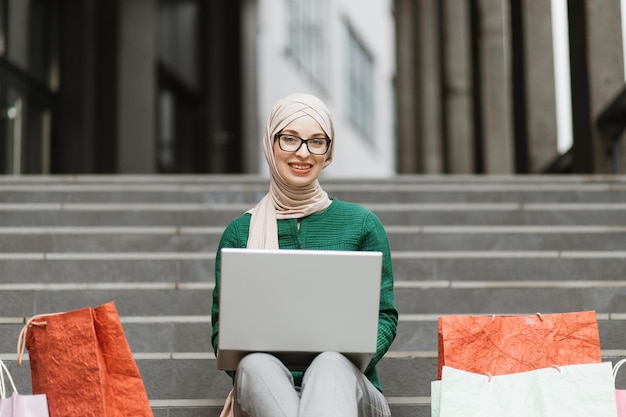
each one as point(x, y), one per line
point(507, 344)
point(585, 390)
point(19, 405)
point(82, 362)
point(620, 394)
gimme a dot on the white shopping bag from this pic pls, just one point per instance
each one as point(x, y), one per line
point(585, 390)
point(19, 405)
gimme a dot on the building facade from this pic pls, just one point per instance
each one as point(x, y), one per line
point(479, 91)
point(415, 86)
point(338, 50)
point(185, 86)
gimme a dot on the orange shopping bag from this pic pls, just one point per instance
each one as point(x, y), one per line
point(82, 362)
point(498, 345)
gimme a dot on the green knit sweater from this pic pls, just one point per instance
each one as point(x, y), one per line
point(342, 226)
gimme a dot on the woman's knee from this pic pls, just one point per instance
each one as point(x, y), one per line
point(331, 363)
point(331, 359)
point(257, 362)
point(264, 387)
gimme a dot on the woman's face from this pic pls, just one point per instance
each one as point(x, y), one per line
point(300, 168)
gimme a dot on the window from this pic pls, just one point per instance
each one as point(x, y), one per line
point(305, 42)
point(28, 83)
point(180, 83)
point(178, 36)
point(360, 85)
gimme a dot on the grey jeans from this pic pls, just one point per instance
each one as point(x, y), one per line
point(331, 387)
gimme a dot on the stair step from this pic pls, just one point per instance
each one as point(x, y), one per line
point(188, 215)
point(183, 378)
point(192, 378)
point(174, 335)
point(241, 189)
point(180, 386)
point(511, 300)
point(199, 239)
point(442, 267)
point(609, 298)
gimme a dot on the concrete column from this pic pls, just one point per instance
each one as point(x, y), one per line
point(605, 63)
point(582, 147)
point(540, 85)
point(619, 162)
point(136, 87)
point(77, 139)
point(408, 154)
point(430, 81)
point(457, 86)
point(251, 124)
point(495, 75)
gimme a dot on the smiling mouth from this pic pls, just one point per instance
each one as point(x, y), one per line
point(300, 167)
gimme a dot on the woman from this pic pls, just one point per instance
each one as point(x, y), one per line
point(297, 214)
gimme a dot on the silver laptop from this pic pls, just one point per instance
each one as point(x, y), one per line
point(295, 304)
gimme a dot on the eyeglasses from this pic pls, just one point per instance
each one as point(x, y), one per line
point(291, 143)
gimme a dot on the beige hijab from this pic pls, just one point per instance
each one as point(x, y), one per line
point(284, 201)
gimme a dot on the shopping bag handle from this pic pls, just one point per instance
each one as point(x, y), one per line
point(616, 368)
point(3, 370)
point(538, 314)
point(21, 339)
point(490, 376)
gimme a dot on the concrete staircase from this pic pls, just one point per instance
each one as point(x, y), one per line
point(461, 245)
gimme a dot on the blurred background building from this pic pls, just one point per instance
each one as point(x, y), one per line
point(510, 86)
point(415, 86)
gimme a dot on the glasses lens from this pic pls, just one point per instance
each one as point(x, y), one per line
point(318, 146)
point(289, 143)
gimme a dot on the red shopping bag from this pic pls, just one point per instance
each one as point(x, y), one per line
point(499, 345)
point(82, 362)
